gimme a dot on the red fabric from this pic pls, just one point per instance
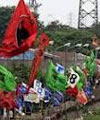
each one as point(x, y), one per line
point(22, 20)
point(44, 41)
point(81, 97)
point(7, 100)
point(95, 41)
point(72, 91)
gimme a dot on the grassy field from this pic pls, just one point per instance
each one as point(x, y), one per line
point(95, 115)
point(92, 117)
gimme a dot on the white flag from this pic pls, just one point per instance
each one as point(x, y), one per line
point(73, 78)
point(60, 68)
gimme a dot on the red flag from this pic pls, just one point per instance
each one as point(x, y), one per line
point(95, 41)
point(21, 32)
point(72, 91)
point(7, 100)
point(81, 97)
point(43, 42)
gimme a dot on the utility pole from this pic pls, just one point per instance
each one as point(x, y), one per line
point(70, 19)
point(88, 13)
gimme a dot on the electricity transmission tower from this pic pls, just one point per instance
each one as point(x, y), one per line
point(33, 4)
point(88, 13)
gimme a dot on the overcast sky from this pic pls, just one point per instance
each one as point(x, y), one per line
point(66, 11)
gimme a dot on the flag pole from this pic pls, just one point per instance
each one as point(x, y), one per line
point(8, 116)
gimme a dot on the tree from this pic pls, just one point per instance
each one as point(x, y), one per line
point(62, 34)
point(5, 15)
point(21, 71)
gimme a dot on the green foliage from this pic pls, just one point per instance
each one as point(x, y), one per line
point(94, 116)
point(40, 74)
point(62, 34)
point(21, 71)
point(96, 30)
point(5, 15)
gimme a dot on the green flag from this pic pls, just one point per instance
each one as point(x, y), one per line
point(81, 81)
point(90, 64)
point(55, 80)
point(7, 80)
